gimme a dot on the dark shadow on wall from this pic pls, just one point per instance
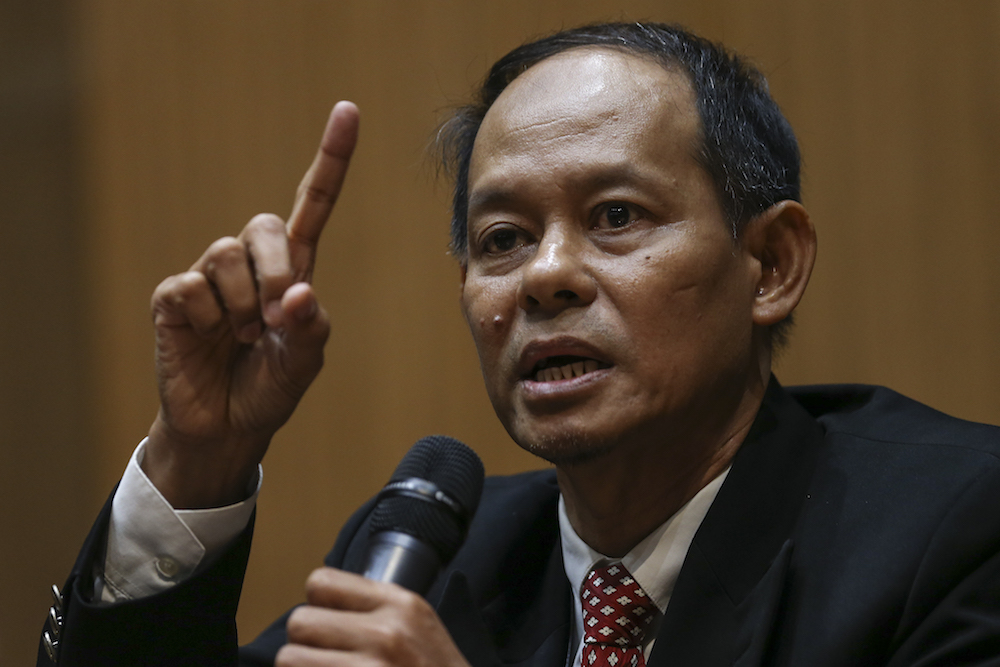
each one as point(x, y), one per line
point(44, 433)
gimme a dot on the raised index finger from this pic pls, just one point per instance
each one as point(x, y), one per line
point(320, 186)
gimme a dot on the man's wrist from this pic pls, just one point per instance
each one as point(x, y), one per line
point(152, 547)
point(198, 475)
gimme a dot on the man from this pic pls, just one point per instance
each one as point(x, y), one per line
point(630, 240)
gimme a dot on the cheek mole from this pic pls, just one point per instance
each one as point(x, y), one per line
point(497, 322)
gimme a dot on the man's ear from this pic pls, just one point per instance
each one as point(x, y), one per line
point(783, 241)
point(464, 268)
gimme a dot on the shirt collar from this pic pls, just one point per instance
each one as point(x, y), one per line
point(656, 561)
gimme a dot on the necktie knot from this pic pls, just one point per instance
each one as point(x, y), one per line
point(616, 613)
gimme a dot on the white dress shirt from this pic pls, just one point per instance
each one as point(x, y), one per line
point(654, 563)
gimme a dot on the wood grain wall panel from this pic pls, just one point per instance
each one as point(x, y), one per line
point(194, 116)
point(899, 159)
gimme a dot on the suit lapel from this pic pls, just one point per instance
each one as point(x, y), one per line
point(510, 630)
point(505, 600)
point(728, 594)
point(540, 635)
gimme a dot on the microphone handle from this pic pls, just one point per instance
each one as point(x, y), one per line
point(401, 559)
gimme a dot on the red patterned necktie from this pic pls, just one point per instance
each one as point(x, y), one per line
point(616, 613)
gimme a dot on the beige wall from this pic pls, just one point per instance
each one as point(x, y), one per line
point(162, 126)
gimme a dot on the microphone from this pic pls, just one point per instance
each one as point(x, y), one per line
point(421, 516)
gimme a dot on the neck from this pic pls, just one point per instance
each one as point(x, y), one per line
point(617, 499)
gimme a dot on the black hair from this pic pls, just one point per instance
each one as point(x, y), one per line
point(747, 146)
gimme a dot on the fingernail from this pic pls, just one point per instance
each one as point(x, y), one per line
point(250, 332)
point(272, 314)
point(306, 311)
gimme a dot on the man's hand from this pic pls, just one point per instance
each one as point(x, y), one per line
point(351, 620)
point(239, 338)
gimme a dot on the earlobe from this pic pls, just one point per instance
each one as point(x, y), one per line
point(783, 241)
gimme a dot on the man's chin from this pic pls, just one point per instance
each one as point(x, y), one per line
point(566, 451)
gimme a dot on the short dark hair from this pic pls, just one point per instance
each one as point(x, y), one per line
point(747, 147)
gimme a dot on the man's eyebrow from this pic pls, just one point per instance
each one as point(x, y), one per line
point(622, 173)
point(491, 198)
point(590, 179)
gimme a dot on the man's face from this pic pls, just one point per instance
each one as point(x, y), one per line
point(606, 295)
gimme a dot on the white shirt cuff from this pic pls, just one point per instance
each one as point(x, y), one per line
point(151, 546)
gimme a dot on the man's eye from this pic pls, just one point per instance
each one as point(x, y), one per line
point(616, 215)
point(502, 240)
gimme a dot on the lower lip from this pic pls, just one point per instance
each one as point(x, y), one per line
point(534, 390)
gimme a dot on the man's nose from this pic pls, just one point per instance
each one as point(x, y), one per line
point(556, 277)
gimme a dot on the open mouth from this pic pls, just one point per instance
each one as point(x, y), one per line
point(564, 367)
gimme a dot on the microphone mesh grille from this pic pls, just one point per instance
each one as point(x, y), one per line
point(453, 468)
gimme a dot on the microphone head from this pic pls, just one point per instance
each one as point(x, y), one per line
point(456, 471)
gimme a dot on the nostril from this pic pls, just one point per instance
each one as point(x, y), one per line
point(532, 301)
point(566, 294)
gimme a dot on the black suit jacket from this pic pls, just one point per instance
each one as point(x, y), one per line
point(856, 527)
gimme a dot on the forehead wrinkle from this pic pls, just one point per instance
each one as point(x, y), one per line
point(573, 129)
point(512, 137)
point(579, 178)
point(533, 111)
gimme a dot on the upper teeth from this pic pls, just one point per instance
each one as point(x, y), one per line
point(575, 369)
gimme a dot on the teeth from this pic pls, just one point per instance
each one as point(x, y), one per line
point(576, 369)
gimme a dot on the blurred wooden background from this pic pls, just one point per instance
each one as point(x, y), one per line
point(134, 133)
